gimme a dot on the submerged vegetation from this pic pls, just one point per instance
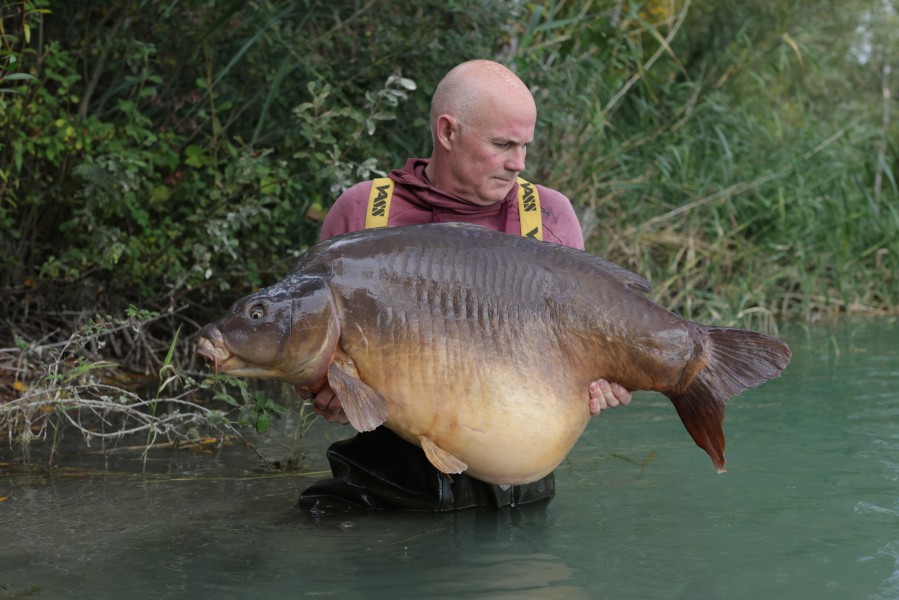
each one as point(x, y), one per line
point(174, 156)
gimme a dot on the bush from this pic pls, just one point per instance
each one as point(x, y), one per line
point(158, 156)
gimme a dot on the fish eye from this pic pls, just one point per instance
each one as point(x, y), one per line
point(256, 312)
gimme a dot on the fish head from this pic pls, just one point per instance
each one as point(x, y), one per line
point(288, 331)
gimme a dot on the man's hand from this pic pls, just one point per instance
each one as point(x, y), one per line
point(327, 404)
point(605, 395)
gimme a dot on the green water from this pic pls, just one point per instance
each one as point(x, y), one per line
point(808, 509)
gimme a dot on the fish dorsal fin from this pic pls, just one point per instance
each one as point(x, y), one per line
point(442, 460)
point(627, 278)
point(364, 406)
point(613, 271)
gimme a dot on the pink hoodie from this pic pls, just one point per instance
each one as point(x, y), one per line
point(416, 201)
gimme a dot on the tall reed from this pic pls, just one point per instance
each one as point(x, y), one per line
point(738, 173)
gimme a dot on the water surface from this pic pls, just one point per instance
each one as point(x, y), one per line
point(809, 508)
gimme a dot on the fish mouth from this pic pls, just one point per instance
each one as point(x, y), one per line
point(211, 346)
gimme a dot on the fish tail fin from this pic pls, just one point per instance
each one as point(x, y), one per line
point(736, 360)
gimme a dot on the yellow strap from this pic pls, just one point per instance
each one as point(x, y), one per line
point(528, 206)
point(379, 202)
point(529, 210)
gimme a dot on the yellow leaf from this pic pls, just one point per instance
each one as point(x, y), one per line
point(20, 386)
point(4, 498)
point(316, 212)
point(792, 44)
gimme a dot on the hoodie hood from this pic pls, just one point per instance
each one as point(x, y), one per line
point(447, 207)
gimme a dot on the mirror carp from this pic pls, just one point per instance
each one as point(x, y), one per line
point(479, 346)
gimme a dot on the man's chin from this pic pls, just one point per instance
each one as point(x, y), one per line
point(501, 190)
point(493, 192)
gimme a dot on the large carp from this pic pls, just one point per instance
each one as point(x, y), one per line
point(479, 346)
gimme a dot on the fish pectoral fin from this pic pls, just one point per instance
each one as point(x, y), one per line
point(364, 406)
point(442, 460)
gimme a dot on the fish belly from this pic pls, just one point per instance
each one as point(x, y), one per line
point(509, 425)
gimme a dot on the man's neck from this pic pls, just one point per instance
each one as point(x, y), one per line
point(427, 174)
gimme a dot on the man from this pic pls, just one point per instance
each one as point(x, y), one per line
point(482, 120)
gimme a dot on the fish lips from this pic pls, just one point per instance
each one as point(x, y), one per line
point(211, 346)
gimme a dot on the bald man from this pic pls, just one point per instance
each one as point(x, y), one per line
point(482, 121)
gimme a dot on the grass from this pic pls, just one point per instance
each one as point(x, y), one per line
point(750, 187)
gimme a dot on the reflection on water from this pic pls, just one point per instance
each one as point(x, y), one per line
point(808, 509)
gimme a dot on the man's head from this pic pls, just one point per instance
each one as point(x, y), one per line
point(482, 119)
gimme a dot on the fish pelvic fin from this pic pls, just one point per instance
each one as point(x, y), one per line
point(442, 460)
point(364, 406)
point(736, 360)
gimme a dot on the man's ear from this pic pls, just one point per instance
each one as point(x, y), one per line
point(446, 131)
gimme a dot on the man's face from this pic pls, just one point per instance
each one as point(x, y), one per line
point(490, 149)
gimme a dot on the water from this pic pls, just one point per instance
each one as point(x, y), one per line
point(808, 509)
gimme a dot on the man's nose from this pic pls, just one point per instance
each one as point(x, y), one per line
point(516, 159)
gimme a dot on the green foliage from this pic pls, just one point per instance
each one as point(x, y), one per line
point(15, 33)
point(731, 153)
point(255, 408)
point(158, 153)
